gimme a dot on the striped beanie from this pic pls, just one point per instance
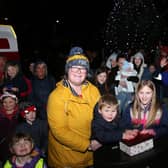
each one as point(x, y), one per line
point(77, 60)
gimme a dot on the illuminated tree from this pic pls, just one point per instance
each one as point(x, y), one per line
point(132, 24)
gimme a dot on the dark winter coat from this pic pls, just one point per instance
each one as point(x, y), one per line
point(38, 131)
point(7, 128)
point(106, 132)
point(41, 88)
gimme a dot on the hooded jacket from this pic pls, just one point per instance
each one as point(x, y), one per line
point(69, 119)
point(142, 70)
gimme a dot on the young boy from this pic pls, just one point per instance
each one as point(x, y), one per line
point(106, 124)
point(24, 154)
point(8, 121)
point(38, 129)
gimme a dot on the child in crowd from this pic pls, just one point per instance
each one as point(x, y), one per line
point(146, 113)
point(8, 121)
point(38, 129)
point(126, 88)
point(14, 81)
point(100, 80)
point(106, 127)
point(24, 155)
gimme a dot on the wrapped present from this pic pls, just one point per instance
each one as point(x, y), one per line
point(141, 143)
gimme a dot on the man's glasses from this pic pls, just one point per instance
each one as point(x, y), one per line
point(78, 69)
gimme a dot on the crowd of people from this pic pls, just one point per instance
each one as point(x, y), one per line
point(58, 124)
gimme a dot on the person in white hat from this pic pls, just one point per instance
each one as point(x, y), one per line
point(8, 121)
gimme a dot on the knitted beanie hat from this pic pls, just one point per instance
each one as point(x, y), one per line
point(76, 50)
point(7, 94)
point(77, 60)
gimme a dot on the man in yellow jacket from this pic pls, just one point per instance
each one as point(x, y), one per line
point(70, 111)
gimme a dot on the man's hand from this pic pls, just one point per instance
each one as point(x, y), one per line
point(94, 144)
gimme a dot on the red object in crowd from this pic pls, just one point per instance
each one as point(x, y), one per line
point(164, 53)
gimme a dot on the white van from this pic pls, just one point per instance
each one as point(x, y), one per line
point(8, 43)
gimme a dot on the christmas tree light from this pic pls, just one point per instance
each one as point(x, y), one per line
point(132, 24)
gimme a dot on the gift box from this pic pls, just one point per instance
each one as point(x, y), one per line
point(139, 144)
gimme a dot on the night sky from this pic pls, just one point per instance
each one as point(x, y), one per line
point(73, 20)
point(63, 20)
point(46, 28)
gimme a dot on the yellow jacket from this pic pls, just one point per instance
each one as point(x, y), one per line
point(69, 119)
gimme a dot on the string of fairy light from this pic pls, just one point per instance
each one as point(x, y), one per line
point(132, 24)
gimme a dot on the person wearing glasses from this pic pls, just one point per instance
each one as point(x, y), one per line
point(70, 112)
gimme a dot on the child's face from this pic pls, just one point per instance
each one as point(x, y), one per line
point(9, 103)
point(12, 71)
point(145, 95)
point(108, 112)
point(30, 116)
point(22, 148)
point(102, 77)
point(152, 68)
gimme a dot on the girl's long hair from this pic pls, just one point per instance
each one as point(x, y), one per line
point(155, 105)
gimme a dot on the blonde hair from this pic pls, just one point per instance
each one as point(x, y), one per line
point(11, 64)
point(155, 105)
